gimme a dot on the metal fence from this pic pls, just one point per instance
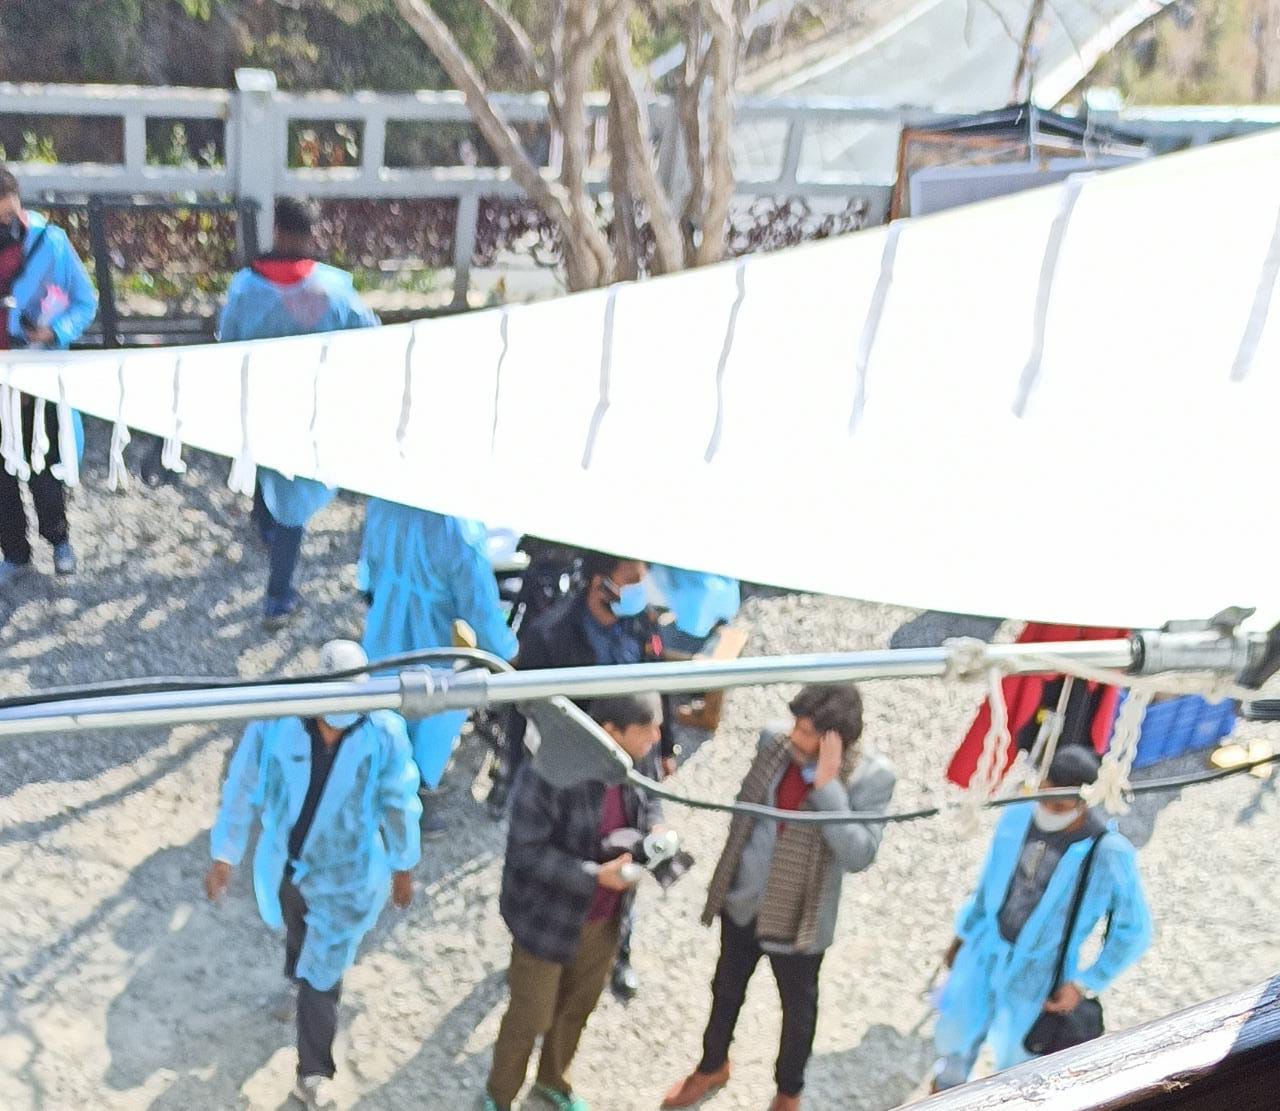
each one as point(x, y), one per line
point(354, 146)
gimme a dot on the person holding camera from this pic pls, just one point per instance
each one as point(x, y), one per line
point(566, 889)
point(605, 621)
point(776, 889)
point(49, 302)
point(1054, 871)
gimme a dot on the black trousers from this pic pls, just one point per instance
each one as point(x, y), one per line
point(797, 978)
point(317, 1010)
point(46, 492)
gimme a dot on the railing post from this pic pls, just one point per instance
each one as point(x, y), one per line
point(464, 246)
point(254, 123)
point(102, 272)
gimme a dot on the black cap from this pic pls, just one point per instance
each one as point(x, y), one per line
point(1074, 766)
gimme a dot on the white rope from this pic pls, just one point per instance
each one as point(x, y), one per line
point(67, 469)
point(171, 451)
point(967, 659)
point(11, 441)
point(1112, 784)
point(316, 454)
point(117, 470)
point(39, 437)
point(244, 474)
point(406, 399)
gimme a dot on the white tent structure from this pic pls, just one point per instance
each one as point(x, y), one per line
point(1056, 405)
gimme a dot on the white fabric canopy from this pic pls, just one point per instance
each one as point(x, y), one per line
point(1133, 489)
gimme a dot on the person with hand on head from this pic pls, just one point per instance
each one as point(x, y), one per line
point(776, 888)
point(48, 303)
point(1010, 932)
point(565, 894)
point(337, 799)
point(289, 293)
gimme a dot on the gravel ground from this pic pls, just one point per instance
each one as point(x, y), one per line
point(122, 988)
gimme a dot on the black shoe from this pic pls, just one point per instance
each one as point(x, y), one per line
point(432, 825)
point(625, 982)
point(497, 800)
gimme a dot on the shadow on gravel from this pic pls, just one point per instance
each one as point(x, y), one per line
point(888, 1063)
point(443, 1073)
point(174, 589)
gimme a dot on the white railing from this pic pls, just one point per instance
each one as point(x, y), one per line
point(774, 137)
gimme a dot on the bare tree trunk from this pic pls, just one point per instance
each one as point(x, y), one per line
point(631, 115)
point(587, 257)
point(723, 56)
point(627, 251)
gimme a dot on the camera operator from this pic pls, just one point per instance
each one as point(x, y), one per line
point(566, 890)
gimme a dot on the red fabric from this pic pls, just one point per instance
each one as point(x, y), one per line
point(613, 815)
point(10, 261)
point(284, 271)
point(792, 791)
point(1023, 694)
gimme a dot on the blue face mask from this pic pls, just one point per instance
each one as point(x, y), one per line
point(631, 599)
point(341, 721)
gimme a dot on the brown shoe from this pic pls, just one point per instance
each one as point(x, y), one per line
point(785, 1103)
point(694, 1087)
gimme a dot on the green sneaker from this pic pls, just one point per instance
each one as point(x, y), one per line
point(490, 1104)
point(559, 1100)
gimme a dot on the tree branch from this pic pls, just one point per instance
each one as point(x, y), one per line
point(631, 114)
point(724, 56)
point(519, 38)
point(499, 134)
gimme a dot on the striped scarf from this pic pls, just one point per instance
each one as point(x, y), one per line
point(792, 898)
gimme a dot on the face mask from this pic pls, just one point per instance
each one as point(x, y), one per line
point(341, 721)
point(631, 599)
point(1049, 821)
point(12, 231)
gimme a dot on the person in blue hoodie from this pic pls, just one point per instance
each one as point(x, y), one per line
point(1010, 931)
point(336, 801)
point(422, 572)
point(48, 303)
point(288, 293)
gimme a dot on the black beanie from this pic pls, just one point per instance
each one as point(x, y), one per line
point(1074, 766)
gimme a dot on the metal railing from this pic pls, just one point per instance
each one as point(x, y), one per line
point(258, 162)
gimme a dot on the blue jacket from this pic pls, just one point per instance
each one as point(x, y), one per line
point(365, 827)
point(425, 570)
point(323, 301)
point(54, 263)
point(997, 990)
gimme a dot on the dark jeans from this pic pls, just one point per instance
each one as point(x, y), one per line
point(284, 543)
point(317, 1010)
point(46, 492)
point(797, 978)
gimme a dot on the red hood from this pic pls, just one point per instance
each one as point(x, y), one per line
point(283, 271)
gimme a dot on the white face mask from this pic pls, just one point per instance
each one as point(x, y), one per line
point(1050, 821)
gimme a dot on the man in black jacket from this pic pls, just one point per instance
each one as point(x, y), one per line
point(605, 621)
point(564, 897)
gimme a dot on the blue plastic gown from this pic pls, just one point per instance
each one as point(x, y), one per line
point(324, 301)
point(996, 991)
point(425, 570)
point(699, 601)
point(365, 828)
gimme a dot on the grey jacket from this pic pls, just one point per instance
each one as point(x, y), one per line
point(853, 847)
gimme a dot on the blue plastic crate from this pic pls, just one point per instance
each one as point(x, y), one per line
point(1181, 725)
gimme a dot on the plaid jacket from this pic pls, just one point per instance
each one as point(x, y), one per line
point(553, 854)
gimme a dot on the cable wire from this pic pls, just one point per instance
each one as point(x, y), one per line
point(814, 818)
